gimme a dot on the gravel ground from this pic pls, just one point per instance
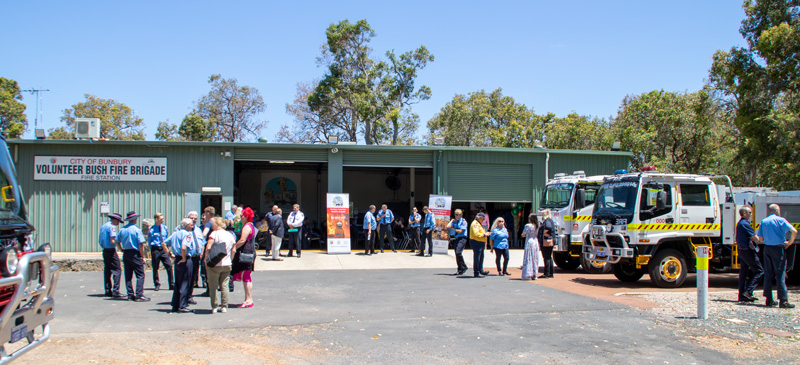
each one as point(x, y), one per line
point(743, 330)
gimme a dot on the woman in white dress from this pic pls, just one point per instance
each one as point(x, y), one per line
point(530, 261)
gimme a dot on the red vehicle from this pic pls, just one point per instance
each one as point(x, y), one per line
point(27, 276)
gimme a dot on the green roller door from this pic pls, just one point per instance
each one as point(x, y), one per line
point(489, 182)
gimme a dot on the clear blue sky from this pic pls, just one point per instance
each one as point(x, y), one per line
point(553, 56)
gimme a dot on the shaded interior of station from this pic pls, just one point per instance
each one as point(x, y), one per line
point(260, 184)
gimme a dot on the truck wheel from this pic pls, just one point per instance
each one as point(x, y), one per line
point(668, 268)
point(565, 261)
point(627, 272)
point(594, 267)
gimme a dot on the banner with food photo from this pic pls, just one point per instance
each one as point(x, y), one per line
point(439, 206)
point(338, 223)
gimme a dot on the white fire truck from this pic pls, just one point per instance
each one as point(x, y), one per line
point(651, 222)
point(27, 277)
point(570, 198)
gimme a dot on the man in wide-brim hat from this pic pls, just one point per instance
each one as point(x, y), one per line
point(109, 244)
point(132, 241)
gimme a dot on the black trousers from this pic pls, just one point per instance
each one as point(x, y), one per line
point(183, 277)
point(478, 248)
point(413, 233)
point(501, 253)
point(547, 255)
point(426, 237)
point(369, 241)
point(461, 244)
point(195, 274)
point(294, 241)
point(133, 265)
point(386, 235)
point(748, 261)
point(111, 270)
point(158, 256)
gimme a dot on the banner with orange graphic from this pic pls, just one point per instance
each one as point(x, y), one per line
point(338, 223)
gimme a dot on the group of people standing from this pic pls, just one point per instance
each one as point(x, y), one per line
point(382, 226)
point(220, 249)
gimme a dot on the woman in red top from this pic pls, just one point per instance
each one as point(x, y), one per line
point(241, 271)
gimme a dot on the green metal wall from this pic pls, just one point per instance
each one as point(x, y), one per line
point(67, 213)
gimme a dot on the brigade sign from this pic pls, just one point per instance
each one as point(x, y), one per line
point(92, 168)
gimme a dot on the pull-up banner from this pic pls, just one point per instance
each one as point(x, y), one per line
point(92, 168)
point(439, 206)
point(338, 222)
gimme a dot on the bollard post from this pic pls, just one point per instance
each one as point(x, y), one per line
point(702, 282)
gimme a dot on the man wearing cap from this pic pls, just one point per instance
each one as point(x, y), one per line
point(108, 236)
point(159, 252)
point(477, 240)
point(772, 233)
point(132, 241)
point(385, 218)
point(459, 227)
point(182, 245)
point(427, 232)
point(370, 225)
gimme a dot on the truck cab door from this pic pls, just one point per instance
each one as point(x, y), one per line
point(698, 204)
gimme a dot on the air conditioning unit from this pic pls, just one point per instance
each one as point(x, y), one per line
point(87, 128)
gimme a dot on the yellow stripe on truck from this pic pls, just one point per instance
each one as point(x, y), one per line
point(577, 218)
point(758, 224)
point(673, 227)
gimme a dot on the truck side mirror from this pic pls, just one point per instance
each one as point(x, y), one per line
point(580, 199)
point(661, 200)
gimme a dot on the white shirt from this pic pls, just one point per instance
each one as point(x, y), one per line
point(295, 219)
point(223, 236)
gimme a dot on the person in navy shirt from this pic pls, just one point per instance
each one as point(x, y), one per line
point(111, 269)
point(413, 225)
point(748, 259)
point(370, 233)
point(385, 218)
point(499, 241)
point(459, 227)
point(772, 233)
point(427, 232)
point(132, 241)
point(182, 245)
point(159, 252)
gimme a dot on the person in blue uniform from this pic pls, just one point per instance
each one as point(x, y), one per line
point(159, 252)
point(370, 233)
point(772, 233)
point(413, 224)
point(748, 258)
point(385, 218)
point(132, 241)
point(111, 270)
point(182, 245)
point(197, 252)
point(427, 232)
point(459, 227)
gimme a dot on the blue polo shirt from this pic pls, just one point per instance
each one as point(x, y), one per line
point(181, 238)
point(429, 222)
point(499, 238)
point(107, 232)
point(130, 237)
point(386, 217)
point(413, 220)
point(199, 242)
point(369, 221)
point(744, 231)
point(158, 233)
point(461, 223)
point(774, 229)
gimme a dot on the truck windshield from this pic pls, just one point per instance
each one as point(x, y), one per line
point(617, 197)
point(10, 197)
point(556, 195)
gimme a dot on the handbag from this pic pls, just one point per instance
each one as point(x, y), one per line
point(248, 257)
point(215, 254)
point(548, 242)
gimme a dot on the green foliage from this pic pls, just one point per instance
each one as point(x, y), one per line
point(60, 133)
point(228, 112)
point(359, 96)
point(674, 132)
point(578, 132)
point(487, 120)
point(12, 111)
point(761, 86)
point(117, 121)
point(167, 131)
